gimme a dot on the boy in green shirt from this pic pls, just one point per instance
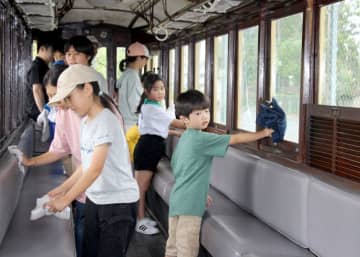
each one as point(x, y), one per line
point(191, 164)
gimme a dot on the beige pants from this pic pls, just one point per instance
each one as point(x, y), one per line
point(184, 234)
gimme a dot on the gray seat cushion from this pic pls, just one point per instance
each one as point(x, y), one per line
point(272, 192)
point(48, 236)
point(229, 231)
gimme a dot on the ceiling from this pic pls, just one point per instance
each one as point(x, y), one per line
point(158, 17)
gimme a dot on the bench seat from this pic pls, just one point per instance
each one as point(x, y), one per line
point(228, 230)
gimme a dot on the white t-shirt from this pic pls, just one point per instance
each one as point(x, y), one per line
point(115, 184)
point(154, 120)
point(130, 91)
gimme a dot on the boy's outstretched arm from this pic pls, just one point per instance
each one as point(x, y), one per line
point(249, 137)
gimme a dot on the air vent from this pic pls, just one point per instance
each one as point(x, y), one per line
point(321, 142)
point(334, 140)
point(347, 162)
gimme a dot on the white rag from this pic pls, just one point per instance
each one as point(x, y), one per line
point(40, 211)
point(43, 121)
point(14, 150)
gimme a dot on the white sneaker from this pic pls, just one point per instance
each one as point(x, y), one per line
point(143, 228)
point(148, 221)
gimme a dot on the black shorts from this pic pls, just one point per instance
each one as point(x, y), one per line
point(148, 152)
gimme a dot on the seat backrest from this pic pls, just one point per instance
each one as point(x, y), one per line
point(11, 180)
point(275, 194)
point(334, 215)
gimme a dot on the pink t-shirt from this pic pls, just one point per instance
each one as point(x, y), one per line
point(67, 136)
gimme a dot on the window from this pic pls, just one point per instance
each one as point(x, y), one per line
point(120, 55)
point(220, 78)
point(99, 63)
point(171, 76)
point(339, 54)
point(34, 49)
point(155, 64)
point(184, 68)
point(286, 49)
point(247, 78)
point(200, 53)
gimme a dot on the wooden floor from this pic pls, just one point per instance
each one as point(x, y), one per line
point(147, 246)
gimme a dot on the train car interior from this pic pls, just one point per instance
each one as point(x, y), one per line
point(294, 197)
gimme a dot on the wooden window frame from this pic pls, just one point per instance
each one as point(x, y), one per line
point(222, 128)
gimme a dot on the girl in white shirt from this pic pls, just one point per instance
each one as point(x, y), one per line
point(154, 122)
point(105, 172)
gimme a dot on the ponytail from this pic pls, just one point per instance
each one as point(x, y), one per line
point(124, 63)
point(109, 103)
point(142, 100)
point(105, 100)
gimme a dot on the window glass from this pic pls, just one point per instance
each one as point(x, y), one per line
point(200, 52)
point(120, 55)
point(247, 78)
point(155, 64)
point(286, 49)
point(171, 76)
point(99, 63)
point(339, 54)
point(220, 78)
point(184, 68)
point(34, 49)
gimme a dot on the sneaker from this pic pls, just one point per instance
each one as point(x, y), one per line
point(150, 222)
point(143, 228)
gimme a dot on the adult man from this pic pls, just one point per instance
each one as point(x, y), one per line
point(35, 92)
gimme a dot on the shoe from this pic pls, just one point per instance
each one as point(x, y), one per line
point(150, 222)
point(143, 228)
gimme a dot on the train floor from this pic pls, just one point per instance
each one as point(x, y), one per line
point(147, 246)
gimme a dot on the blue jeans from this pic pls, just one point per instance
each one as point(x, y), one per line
point(79, 222)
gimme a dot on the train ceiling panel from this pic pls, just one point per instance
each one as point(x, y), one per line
point(159, 17)
point(100, 16)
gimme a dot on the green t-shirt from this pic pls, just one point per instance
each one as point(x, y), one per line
point(191, 165)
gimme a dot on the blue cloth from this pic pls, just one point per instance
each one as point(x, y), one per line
point(271, 115)
point(51, 115)
point(60, 62)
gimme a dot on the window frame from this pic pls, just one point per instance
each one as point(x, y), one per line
point(235, 98)
point(219, 126)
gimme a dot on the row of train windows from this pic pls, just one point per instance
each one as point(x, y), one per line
point(338, 66)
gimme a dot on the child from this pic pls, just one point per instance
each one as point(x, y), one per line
point(129, 85)
point(50, 82)
point(154, 124)
point(191, 163)
point(79, 49)
point(105, 171)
